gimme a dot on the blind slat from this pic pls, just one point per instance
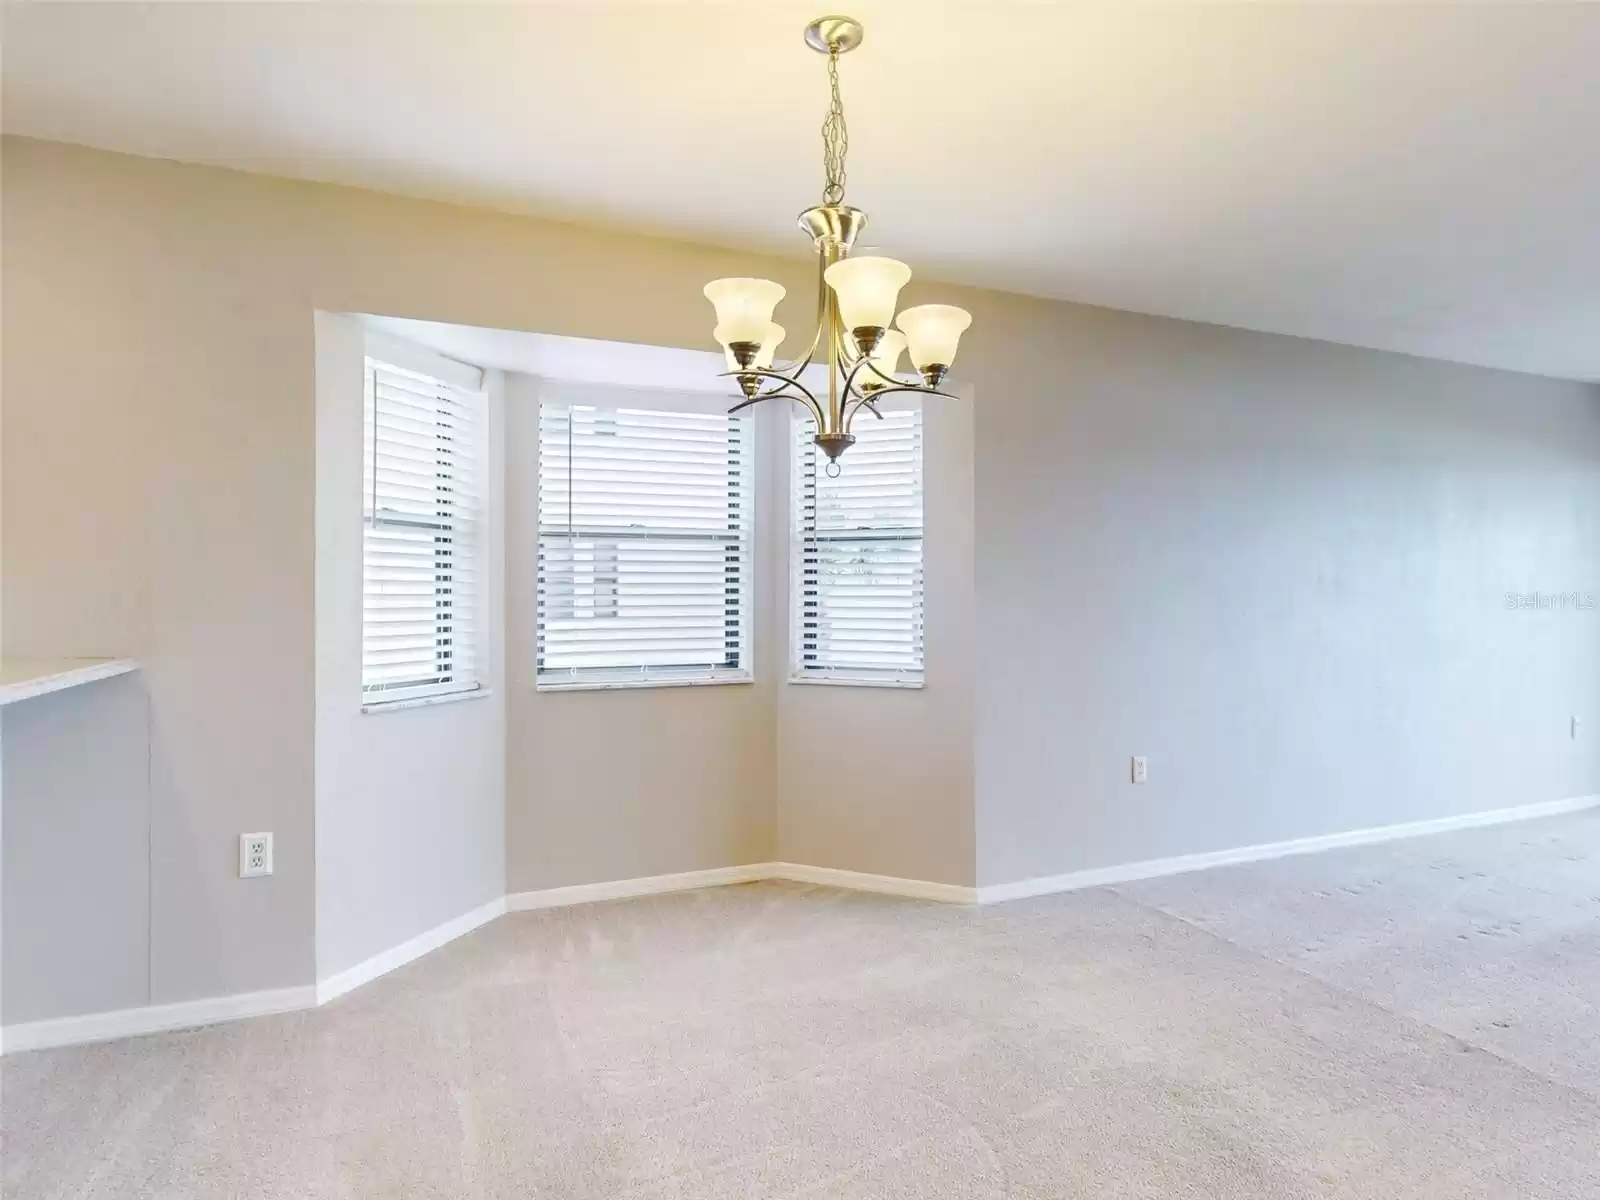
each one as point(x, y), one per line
point(421, 504)
point(644, 545)
point(858, 552)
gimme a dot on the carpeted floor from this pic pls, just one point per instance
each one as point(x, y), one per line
point(1415, 1020)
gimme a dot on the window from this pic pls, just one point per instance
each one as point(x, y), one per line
point(421, 515)
point(644, 546)
point(857, 611)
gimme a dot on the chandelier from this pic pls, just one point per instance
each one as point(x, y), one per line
point(855, 302)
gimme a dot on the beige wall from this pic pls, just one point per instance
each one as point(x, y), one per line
point(410, 802)
point(179, 459)
point(158, 475)
point(1270, 564)
point(622, 783)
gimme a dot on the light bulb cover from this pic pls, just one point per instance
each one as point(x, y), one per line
point(885, 361)
point(764, 355)
point(769, 345)
point(887, 358)
point(932, 333)
point(744, 308)
point(867, 288)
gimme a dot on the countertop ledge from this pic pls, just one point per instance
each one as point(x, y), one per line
point(25, 678)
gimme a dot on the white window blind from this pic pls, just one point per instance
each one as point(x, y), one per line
point(857, 611)
point(422, 506)
point(644, 546)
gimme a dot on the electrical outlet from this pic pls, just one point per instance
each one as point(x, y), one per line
point(1141, 769)
point(1574, 728)
point(255, 855)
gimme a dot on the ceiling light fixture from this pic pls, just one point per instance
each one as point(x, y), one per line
point(856, 300)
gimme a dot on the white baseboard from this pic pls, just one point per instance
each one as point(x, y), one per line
point(408, 951)
point(651, 885)
point(623, 889)
point(860, 881)
point(161, 1018)
point(154, 1018)
point(1158, 867)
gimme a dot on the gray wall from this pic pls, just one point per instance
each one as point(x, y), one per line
point(410, 802)
point(1274, 566)
point(880, 780)
point(624, 783)
point(76, 830)
point(1277, 568)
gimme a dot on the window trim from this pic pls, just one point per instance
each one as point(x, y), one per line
point(476, 692)
point(591, 679)
point(865, 677)
point(859, 681)
point(628, 685)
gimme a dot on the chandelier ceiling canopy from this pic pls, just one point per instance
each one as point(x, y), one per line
point(857, 333)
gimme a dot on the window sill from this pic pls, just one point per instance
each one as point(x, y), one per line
point(384, 706)
point(630, 684)
point(902, 685)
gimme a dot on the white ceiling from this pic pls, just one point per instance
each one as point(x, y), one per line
point(1419, 177)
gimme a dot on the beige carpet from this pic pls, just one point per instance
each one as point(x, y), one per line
point(1417, 1020)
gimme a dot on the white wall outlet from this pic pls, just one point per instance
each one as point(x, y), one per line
point(1141, 768)
point(1574, 728)
point(255, 855)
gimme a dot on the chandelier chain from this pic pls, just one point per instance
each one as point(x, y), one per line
point(860, 361)
point(835, 139)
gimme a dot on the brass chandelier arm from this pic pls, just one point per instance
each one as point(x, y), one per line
point(850, 378)
point(867, 402)
point(743, 404)
point(757, 399)
point(784, 382)
point(846, 349)
point(860, 402)
point(779, 395)
point(847, 414)
point(796, 366)
point(782, 390)
point(915, 388)
point(872, 400)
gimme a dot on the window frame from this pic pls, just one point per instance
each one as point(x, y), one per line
point(467, 529)
point(800, 426)
point(742, 599)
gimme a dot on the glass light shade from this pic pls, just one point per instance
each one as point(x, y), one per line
point(886, 357)
point(769, 345)
point(867, 288)
point(932, 332)
point(744, 307)
point(764, 356)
